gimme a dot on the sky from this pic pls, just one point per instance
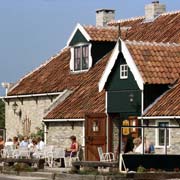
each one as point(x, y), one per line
point(31, 31)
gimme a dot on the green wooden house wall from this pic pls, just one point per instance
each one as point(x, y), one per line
point(78, 38)
point(120, 90)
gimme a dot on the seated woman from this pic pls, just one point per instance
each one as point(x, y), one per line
point(72, 151)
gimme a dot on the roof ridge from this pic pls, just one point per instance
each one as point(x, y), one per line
point(152, 43)
point(125, 20)
point(129, 19)
point(36, 69)
point(170, 12)
point(142, 17)
point(100, 27)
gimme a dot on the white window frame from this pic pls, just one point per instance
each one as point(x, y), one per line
point(123, 71)
point(72, 57)
point(157, 134)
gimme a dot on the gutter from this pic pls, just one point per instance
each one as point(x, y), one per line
point(30, 95)
point(62, 120)
point(159, 117)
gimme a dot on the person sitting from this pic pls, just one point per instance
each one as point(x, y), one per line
point(1, 143)
point(40, 143)
point(9, 142)
point(138, 146)
point(72, 151)
point(15, 142)
point(25, 142)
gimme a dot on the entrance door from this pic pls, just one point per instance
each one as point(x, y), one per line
point(95, 135)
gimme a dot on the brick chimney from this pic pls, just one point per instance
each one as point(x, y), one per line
point(103, 16)
point(153, 10)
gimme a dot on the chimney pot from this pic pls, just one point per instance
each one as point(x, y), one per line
point(103, 16)
point(153, 10)
point(155, 2)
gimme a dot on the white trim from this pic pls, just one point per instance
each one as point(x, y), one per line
point(107, 123)
point(83, 132)
point(109, 67)
point(62, 120)
point(123, 71)
point(132, 66)
point(157, 135)
point(82, 30)
point(142, 102)
point(71, 64)
point(89, 56)
point(106, 102)
point(45, 134)
point(130, 62)
point(30, 95)
point(160, 117)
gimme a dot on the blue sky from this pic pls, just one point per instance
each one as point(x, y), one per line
point(31, 31)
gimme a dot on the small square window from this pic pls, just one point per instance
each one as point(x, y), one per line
point(123, 71)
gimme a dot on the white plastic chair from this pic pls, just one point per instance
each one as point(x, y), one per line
point(106, 157)
point(21, 152)
point(8, 151)
point(58, 154)
point(77, 157)
point(47, 154)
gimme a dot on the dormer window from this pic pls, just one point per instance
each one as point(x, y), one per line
point(123, 71)
point(81, 58)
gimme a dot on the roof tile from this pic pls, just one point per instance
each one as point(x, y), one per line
point(158, 63)
point(167, 105)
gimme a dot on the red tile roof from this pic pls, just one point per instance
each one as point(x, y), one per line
point(102, 33)
point(167, 105)
point(165, 28)
point(86, 98)
point(158, 63)
point(54, 76)
point(127, 22)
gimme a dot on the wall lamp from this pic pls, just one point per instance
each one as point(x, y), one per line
point(15, 107)
point(131, 97)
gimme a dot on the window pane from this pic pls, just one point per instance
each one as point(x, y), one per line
point(162, 133)
point(77, 58)
point(85, 57)
point(123, 71)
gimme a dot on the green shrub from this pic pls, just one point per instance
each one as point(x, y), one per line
point(141, 169)
point(22, 167)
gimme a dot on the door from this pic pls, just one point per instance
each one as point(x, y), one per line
point(95, 135)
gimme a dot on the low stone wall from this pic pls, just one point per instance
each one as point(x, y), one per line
point(128, 176)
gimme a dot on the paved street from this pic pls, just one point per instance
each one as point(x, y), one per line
point(12, 177)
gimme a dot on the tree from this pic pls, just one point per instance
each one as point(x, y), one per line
point(2, 114)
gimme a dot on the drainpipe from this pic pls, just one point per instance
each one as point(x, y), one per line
point(45, 133)
point(142, 109)
point(107, 124)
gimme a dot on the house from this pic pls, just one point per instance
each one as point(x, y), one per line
point(105, 78)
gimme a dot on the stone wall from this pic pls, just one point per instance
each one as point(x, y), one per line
point(174, 139)
point(58, 133)
point(31, 108)
point(115, 134)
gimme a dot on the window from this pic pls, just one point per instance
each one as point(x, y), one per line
point(123, 71)
point(162, 132)
point(81, 58)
